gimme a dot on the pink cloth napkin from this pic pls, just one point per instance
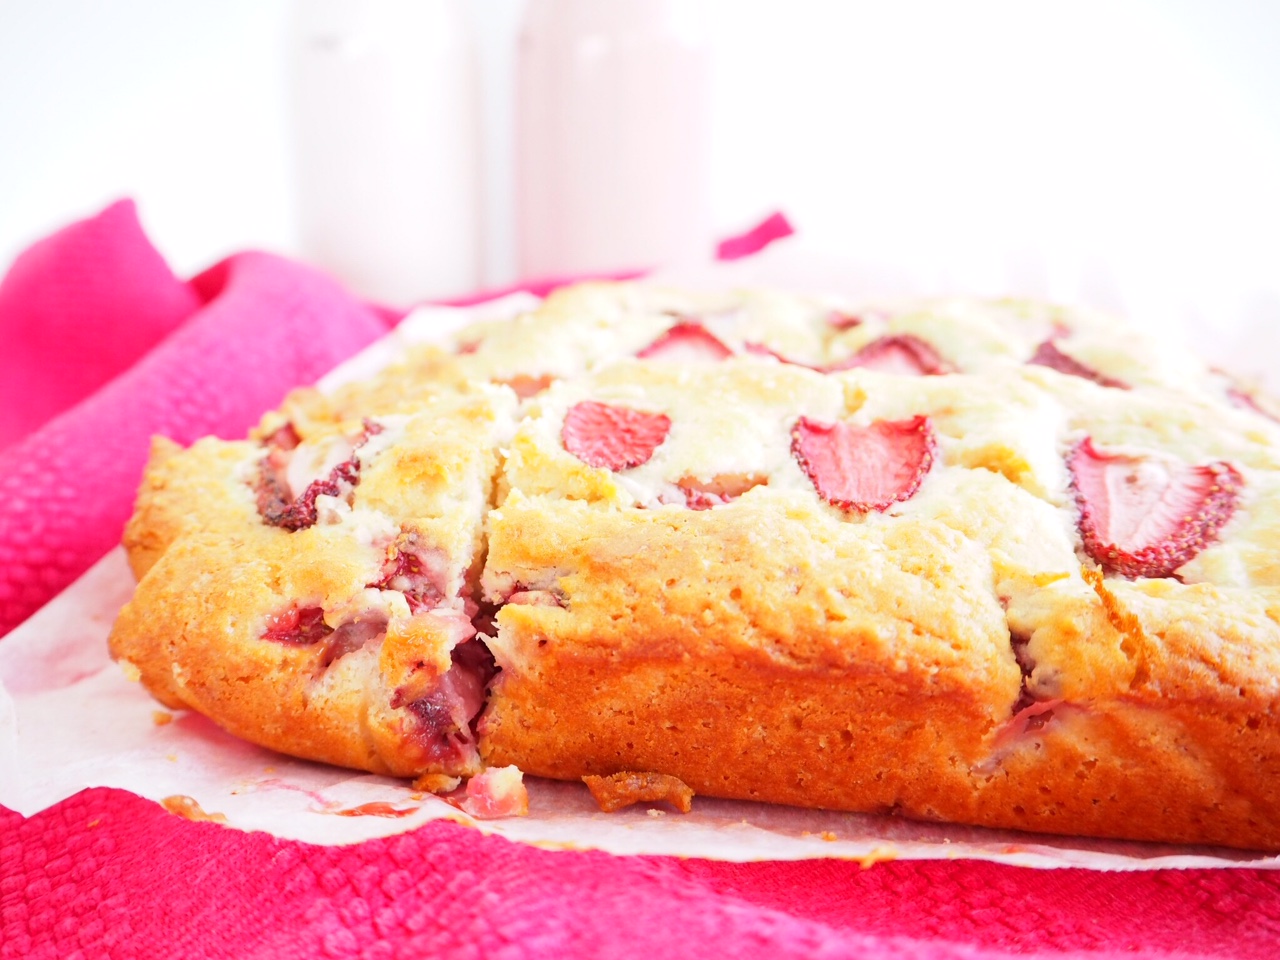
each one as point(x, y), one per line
point(119, 349)
point(101, 337)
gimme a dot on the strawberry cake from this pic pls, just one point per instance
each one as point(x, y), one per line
point(984, 562)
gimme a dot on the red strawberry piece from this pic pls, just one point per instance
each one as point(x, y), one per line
point(864, 468)
point(899, 353)
point(839, 320)
point(1027, 665)
point(277, 505)
point(283, 438)
point(278, 510)
point(416, 570)
point(685, 342)
point(297, 626)
point(1146, 517)
point(352, 635)
point(527, 385)
point(445, 713)
point(844, 320)
point(1245, 400)
point(760, 350)
point(614, 437)
point(720, 489)
point(1048, 355)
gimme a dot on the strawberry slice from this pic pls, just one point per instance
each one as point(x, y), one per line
point(286, 492)
point(864, 468)
point(297, 626)
point(840, 320)
point(720, 489)
point(898, 353)
point(1146, 517)
point(762, 350)
point(688, 341)
point(284, 438)
point(351, 636)
point(614, 437)
point(1260, 404)
point(845, 320)
point(416, 570)
point(1048, 355)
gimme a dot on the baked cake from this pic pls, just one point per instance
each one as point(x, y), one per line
point(994, 563)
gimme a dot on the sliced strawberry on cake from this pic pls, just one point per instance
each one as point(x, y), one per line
point(688, 341)
point(902, 354)
point(1145, 516)
point(1048, 355)
point(864, 468)
point(612, 436)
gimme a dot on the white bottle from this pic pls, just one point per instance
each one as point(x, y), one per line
point(612, 139)
point(387, 145)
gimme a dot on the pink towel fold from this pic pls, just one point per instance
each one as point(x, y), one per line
point(104, 347)
point(211, 356)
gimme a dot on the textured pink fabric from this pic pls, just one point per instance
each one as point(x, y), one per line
point(257, 326)
point(776, 226)
point(77, 309)
point(108, 874)
point(772, 228)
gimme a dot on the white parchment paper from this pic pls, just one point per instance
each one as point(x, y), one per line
point(70, 719)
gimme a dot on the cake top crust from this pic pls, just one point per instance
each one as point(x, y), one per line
point(1014, 505)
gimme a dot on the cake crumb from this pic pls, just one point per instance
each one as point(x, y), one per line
point(620, 790)
point(130, 671)
point(187, 807)
point(437, 783)
point(497, 792)
point(377, 808)
point(161, 717)
point(828, 836)
point(879, 854)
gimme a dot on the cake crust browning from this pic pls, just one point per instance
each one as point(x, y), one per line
point(705, 537)
point(844, 741)
point(305, 640)
point(844, 721)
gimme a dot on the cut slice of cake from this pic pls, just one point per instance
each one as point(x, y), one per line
point(316, 592)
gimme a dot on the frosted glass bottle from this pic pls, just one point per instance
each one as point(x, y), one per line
point(612, 138)
point(387, 145)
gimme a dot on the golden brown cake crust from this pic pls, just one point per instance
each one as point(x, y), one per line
point(306, 640)
point(727, 607)
point(662, 659)
point(844, 741)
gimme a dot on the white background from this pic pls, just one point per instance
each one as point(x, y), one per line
point(1105, 137)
